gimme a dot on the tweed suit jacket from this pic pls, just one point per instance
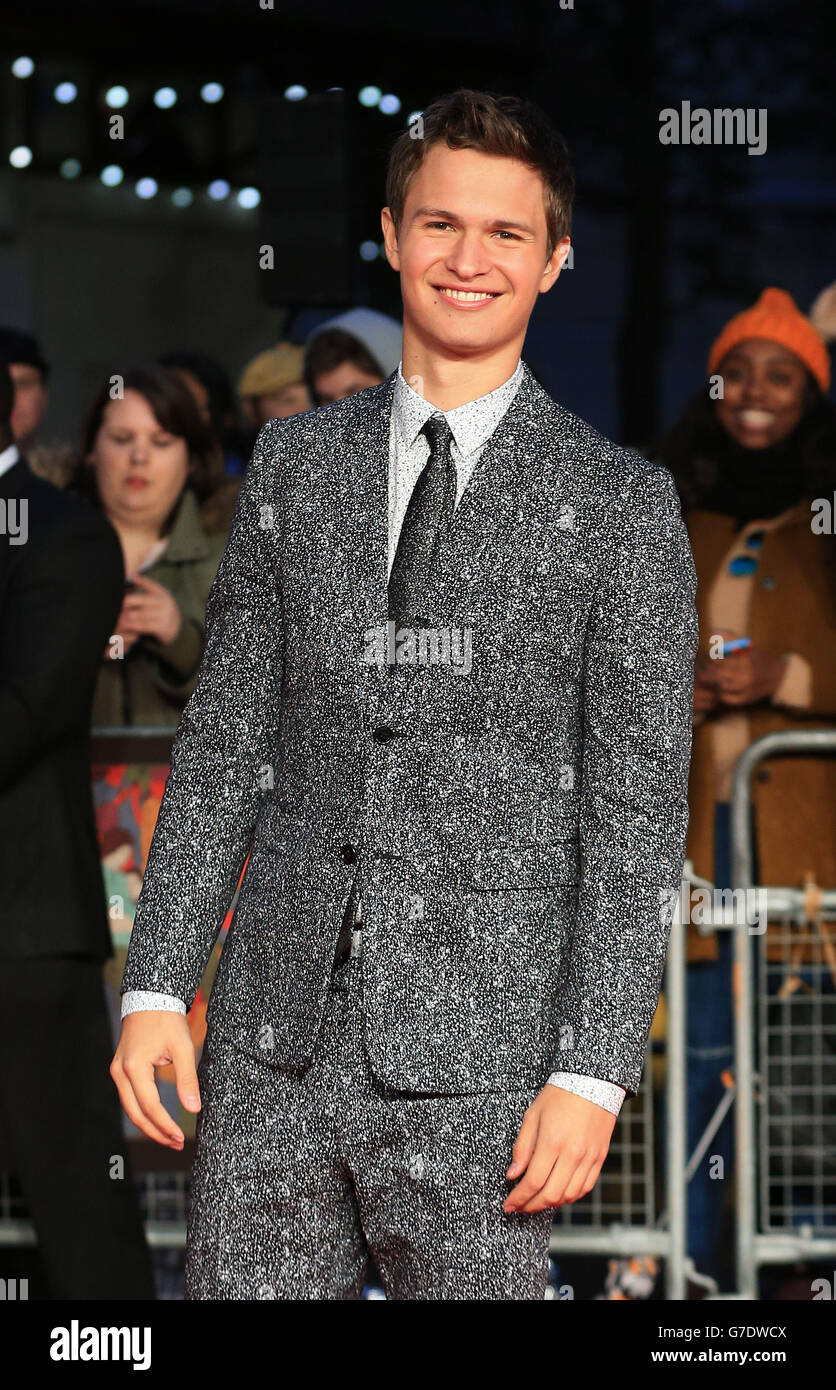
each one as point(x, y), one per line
point(518, 818)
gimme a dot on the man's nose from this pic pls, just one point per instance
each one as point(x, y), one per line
point(469, 256)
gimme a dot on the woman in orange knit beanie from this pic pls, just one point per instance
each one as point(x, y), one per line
point(754, 457)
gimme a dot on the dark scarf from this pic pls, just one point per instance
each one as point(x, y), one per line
point(755, 484)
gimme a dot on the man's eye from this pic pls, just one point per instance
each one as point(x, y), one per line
point(439, 224)
point(502, 231)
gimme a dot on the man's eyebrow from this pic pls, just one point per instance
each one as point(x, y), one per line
point(505, 223)
point(517, 226)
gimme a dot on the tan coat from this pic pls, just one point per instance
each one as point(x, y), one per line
point(787, 606)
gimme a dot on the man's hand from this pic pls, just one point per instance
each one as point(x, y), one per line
point(561, 1146)
point(154, 1038)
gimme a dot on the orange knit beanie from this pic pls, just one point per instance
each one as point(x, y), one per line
point(776, 317)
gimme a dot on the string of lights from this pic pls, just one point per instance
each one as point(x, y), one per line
point(118, 97)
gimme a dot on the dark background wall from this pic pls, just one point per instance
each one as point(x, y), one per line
point(668, 241)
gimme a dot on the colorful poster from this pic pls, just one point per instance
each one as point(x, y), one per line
point(129, 773)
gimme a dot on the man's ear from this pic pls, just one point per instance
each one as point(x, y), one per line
point(555, 263)
point(390, 238)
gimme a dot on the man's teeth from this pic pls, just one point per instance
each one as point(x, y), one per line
point(467, 295)
point(756, 419)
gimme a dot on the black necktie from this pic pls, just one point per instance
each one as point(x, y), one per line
point(425, 525)
point(424, 528)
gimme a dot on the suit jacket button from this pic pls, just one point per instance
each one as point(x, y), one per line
point(349, 854)
point(382, 733)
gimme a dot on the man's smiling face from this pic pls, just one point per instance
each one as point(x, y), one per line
point(472, 250)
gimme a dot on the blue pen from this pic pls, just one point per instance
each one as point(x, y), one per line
point(737, 645)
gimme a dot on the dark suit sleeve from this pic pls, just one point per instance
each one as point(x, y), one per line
point(57, 616)
point(225, 741)
point(641, 644)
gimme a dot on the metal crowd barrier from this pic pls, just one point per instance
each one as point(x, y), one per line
point(619, 1217)
point(785, 1054)
point(784, 1093)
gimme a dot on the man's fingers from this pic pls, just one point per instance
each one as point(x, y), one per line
point(185, 1072)
point(523, 1144)
point(132, 1110)
point(552, 1192)
point(536, 1175)
point(566, 1185)
point(141, 1077)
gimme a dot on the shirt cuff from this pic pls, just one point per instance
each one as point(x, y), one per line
point(604, 1093)
point(795, 687)
point(136, 1000)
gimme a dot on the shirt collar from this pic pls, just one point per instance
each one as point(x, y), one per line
point(471, 424)
point(8, 458)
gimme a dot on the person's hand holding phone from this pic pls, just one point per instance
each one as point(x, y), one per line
point(148, 609)
point(744, 674)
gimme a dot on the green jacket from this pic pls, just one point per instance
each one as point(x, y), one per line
point(152, 683)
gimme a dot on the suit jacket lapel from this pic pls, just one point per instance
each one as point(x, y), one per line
point(492, 507)
point(364, 491)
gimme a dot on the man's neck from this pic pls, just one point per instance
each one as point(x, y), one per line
point(447, 381)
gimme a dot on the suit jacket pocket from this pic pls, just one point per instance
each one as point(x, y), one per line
point(285, 850)
point(272, 975)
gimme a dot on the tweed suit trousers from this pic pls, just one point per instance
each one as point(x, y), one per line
point(300, 1175)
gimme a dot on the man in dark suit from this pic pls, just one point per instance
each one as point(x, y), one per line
point(445, 702)
point(61, 586)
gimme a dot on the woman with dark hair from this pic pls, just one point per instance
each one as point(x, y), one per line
point(754, 458)
point(213, 392)
point(149, 463)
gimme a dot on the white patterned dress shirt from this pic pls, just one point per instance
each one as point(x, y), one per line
point(8, 458)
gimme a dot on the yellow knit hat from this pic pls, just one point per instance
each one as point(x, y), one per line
point(776, 317)
point(271, 370)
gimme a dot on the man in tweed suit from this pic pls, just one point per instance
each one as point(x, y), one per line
point(445, 703)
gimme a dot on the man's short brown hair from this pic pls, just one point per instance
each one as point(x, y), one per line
point(501, 125)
